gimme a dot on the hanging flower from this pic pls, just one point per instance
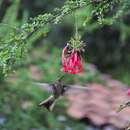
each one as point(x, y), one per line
point(71, 58)
point(71, 62)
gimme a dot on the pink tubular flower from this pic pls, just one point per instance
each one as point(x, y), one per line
point(128, 92)
point(71, 61)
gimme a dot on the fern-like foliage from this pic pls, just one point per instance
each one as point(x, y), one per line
point(14, 43)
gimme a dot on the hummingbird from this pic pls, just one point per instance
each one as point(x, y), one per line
point(123, 106)
point(58, 90)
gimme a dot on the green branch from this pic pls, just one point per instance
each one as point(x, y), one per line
point(14, 49)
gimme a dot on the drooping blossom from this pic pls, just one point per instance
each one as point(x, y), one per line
point(71, 62)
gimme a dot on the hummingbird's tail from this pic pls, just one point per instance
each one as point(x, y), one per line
point(49, 103)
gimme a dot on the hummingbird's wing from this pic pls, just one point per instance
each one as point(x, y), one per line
point(69, 89)
point(75, 88)
point(45, 86)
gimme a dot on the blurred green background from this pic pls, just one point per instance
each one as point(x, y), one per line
point(107, 52)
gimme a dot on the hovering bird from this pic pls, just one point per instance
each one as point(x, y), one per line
point(123, 106)
point(57, 89)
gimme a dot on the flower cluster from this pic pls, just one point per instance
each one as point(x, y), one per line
point(71, 61)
